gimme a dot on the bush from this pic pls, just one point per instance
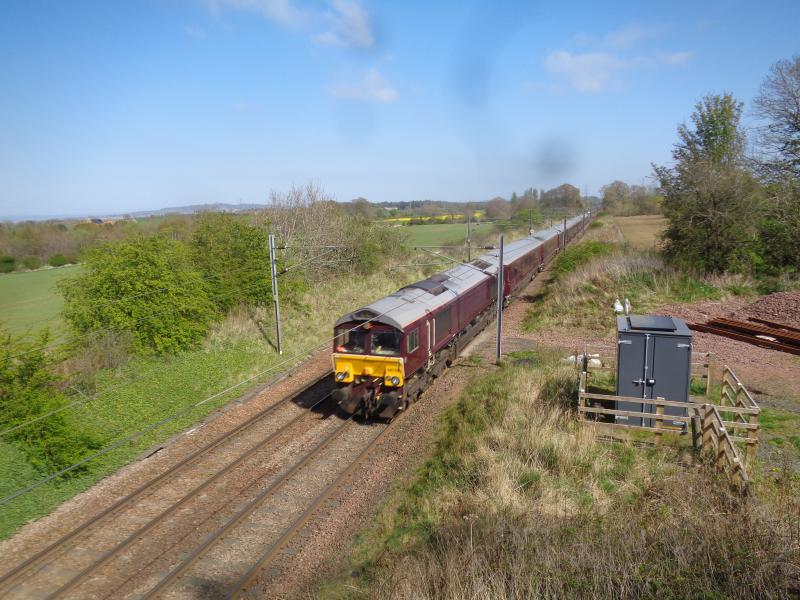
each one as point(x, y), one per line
point(147, 286)
point(58, 260)
point(234, 258)
point(27, 391)
point(32, 262)
point(7, 264)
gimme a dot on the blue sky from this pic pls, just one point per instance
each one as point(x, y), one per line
point(115, 106)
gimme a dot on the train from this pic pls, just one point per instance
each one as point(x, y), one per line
point(386, 353)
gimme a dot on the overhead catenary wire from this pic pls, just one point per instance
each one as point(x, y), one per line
point(186, 410)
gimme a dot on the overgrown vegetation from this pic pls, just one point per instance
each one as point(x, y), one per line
point(518, 501)
point(730, 211)
point(588, 277)
point(28, 392)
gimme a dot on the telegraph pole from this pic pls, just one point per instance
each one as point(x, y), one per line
point(564, 236)
point(469, 238)
point(530, 220)
point(274, 276)
point(500, 284)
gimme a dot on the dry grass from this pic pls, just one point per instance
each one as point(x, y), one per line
point(642, 232)
point(519, 502)
point(583, 297)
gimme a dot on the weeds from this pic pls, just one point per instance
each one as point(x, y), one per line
point(519, 501)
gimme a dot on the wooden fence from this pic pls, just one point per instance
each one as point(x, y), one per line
point(713, 426)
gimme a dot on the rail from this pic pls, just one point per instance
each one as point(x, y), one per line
point(715, 427)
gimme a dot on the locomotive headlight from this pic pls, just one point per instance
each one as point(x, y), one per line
point(341, 375)
point(395, 380)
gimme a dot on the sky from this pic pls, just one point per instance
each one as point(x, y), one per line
point(109, 107)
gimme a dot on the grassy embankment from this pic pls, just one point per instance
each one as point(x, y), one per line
point(148, 389)
point(30, 300)
point(604, 267)
point(518, 501)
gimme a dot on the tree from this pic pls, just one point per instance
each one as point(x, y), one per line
point(498, 208)
point(616, 197)
point(233, 257)
point(778, 104)
point(710, 200)
point(147, 286)
point(27, 392)
point(565, 198)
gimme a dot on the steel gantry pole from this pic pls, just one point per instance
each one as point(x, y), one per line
point(500, 284)
point(273, 270)
point(469, 238)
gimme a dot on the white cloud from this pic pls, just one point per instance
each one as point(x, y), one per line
point(194, 31)
point(674, 58)
point(586, 72)
point(282, 12)
point(344, 22)
point(372, 88)
point(600, 70)
point(350, 25)
point(628, 36)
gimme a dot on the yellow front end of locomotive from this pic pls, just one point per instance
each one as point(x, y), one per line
point(347, 367)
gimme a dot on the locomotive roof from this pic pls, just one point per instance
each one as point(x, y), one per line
point(411, 303)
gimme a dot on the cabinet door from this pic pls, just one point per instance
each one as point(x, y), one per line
point(669, 373)
point(630, 370)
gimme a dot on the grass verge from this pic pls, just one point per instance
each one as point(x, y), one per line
point(518, 501)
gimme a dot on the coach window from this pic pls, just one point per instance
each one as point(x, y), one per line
point(412, 341)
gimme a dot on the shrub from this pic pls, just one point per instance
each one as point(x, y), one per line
point(234, 259)
point(58, 260)
point(147, 286)
point(27, 391)
point(7, 264)
point(32, 262)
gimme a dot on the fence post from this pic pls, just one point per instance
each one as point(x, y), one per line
point(752, 440)
point(706, 427)
point(659, 421)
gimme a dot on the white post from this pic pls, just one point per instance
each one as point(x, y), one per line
point(274, 276)
point(500, 284)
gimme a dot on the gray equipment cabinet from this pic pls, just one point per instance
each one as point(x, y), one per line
point(654, 359)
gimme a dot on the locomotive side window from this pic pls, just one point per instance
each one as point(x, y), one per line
point(386, 343)
point(350, 341)
point(412, 341)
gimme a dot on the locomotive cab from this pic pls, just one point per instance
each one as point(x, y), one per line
point(368, 369)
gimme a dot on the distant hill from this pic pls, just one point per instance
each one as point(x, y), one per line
point(196, 208)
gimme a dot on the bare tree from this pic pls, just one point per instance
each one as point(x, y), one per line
point(778, 103)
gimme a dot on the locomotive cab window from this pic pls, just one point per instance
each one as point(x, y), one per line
point(386, 343)
point(412, 341)
point(353, 341)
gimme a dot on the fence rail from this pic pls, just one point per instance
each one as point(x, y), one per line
point(714, 427)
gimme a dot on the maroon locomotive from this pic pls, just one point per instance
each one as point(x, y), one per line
point(387, 353)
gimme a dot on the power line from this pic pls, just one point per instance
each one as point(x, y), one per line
point(186, 410)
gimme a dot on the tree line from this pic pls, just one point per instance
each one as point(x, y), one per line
point(732, 200)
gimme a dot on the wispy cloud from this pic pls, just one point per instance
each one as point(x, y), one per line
point(601, 69)
point(350, 25)
point(586, 72)
point(373, 87)
point(628, 36)
point(343, 22)
point(194, 31)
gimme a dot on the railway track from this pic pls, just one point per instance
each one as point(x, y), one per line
point(17, 581)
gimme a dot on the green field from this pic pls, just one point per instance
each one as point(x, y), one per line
point(29, 301)
point(443, 233)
